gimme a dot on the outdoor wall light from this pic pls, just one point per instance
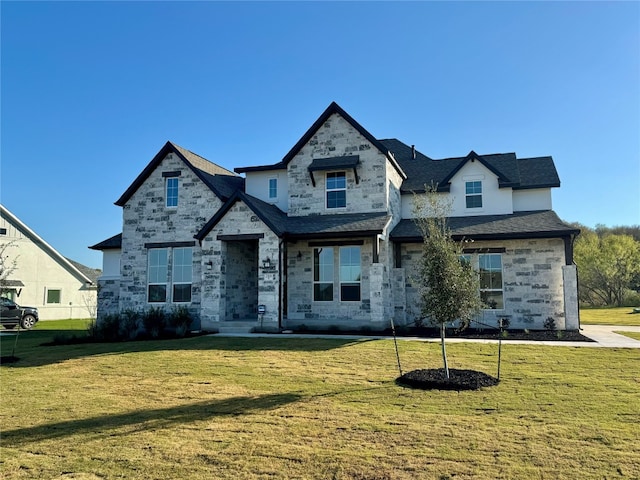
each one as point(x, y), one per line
point(299, 255)
point(209, 265)
point(266, 264)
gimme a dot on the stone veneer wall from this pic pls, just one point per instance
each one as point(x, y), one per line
point(220, 279)
point(373, 311)
point(147, 220)
point(108, 297)
point(336, 138)
point(533, 283)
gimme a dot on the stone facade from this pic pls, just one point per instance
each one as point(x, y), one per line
point(246, 269)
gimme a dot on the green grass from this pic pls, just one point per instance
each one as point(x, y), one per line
point(238, 408)
point(609, 316)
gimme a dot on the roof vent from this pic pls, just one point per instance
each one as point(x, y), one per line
point(413, 152)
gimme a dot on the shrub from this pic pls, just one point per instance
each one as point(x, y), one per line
point(129, 324)
point(107, 329)
point(549, 323)
point(154, 321)
point(180, 319)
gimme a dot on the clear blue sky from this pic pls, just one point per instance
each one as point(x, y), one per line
point(91, 91)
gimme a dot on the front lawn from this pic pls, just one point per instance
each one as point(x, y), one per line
point(609, 316)
point(252, 408)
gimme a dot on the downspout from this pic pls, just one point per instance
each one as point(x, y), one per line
point(282, 260)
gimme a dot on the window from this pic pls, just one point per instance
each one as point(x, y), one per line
point(53, 296)
point(172, 192)
point(273, 188)
point(157, 275)
point(350, 274)
point(323, 274)
point(3, 231)
point(473, 192)
point(182, 272)
point(336, 190)
point(491, 292)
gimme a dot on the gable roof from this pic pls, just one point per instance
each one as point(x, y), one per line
point(69, 265)
point(311, 226)
point(220, 181)
point(332, 109)
point(518, 173)
point(534, 224)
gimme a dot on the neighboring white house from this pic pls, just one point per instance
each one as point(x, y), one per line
point(41, 277)
point(325, 237)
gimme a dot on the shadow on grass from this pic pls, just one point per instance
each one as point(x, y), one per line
point(147, 420)
point(32, 353)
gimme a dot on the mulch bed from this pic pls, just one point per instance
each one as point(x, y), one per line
point(435, 379)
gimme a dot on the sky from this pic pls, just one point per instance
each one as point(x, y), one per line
point(90, 92)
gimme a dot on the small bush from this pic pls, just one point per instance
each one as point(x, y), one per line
point(129, 325)
point(154, 321)
point(180, 320)
point(105, 330)
point(549, 323)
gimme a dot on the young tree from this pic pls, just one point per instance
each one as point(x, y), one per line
point(449, 287)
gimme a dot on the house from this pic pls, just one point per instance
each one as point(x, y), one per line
point(325, 237)
point(39, 276)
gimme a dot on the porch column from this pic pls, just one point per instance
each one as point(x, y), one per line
point(269, 282)
point(571, 307)
point(380, 295)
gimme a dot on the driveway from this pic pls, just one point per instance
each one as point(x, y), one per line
point(606, 337)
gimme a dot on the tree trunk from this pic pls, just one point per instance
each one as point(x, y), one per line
point(444, 351)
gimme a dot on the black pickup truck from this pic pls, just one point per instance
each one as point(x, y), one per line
point(13, 314)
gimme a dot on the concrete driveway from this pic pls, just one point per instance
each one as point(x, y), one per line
point(606, 337)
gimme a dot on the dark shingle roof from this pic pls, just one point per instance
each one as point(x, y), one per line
point(311, 226)
point(513, 172)
point(538, 224)
point(91, 273)
point(114, 242)
point(223, 187)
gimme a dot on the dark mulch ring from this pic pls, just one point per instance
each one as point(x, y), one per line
point(5, 359)
point(435, 379)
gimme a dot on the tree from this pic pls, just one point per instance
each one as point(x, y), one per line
point(449, 287)
point(608, 266)
point(7, 266)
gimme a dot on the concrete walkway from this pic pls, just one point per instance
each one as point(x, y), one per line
point(603, 336)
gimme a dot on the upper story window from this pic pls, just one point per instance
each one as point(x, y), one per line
point(273, 188)
point(491, 290)
point(172, 192)
point(336, 190)
point(473, 194)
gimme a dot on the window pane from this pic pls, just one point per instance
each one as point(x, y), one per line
point(53, 296)
point(273, 188)
point(474, 201)
point(323, 292)
point(157, 293)
point(493, 300)
point(337, 199)
point(172, 192)
point(350, 292)
point(182, 265)
point(473, 187)
point(182, 293)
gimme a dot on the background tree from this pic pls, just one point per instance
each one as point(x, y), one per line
point(608, 265)
point(449, 287)
point(7, 266)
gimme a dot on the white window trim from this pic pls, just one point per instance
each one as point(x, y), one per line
point(501, 289)
point(317, 282)
point(467, 195)
point(327, 190)
point(275, 198)
point(171, 269)
point(166, 192)
point(341, 282)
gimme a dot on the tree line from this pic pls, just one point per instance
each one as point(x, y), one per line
point(608, 260)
